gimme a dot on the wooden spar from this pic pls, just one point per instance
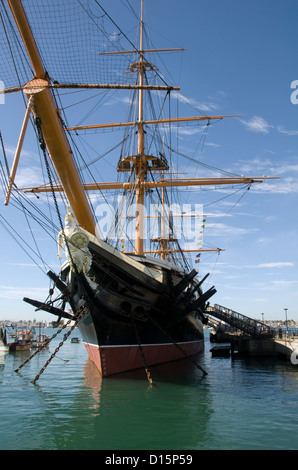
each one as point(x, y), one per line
point(18, 151)
point(95, 86)
point(145, 123)
point(175, 49)
point(51, 125)
point(164, 183)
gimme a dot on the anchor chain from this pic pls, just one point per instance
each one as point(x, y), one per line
point(34, 354)
point(80, 314)
point(142, 353)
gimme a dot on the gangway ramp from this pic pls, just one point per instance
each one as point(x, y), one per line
point(243, 323)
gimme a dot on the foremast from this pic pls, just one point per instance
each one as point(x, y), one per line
point(45, 110)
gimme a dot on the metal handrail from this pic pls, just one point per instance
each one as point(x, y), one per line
point(246, 324)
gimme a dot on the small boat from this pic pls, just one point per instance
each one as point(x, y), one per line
point(40, 340)
point(23, 342)
point(75, 340)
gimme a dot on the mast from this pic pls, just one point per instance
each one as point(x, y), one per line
point(140, 161)
point(163, 241)
point(42, 104)
point(45, 109)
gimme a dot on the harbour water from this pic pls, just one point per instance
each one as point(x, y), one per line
point(245, 403)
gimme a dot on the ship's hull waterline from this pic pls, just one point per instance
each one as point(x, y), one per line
point(112, 360)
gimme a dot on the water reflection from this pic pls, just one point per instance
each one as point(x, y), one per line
point(246, 403)
point(129, 413)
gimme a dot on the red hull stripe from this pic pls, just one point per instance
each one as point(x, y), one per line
point(115, 359)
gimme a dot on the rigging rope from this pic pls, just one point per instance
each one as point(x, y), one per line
point(247, 188)
point(44, 150)
point(176, 344)
point(5, 224)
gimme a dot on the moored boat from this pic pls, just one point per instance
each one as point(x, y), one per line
point(75, 340)
point(23, 341)
point(40, 340)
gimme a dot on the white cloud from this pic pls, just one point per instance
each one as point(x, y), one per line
point(14, 292)
point(285, 131)
point(255, 164)
point(203, 107)
point(211, 144)
point(278, 265)
point(265, 240)
point(283, 283)
point(223, 230)
point(266, 166)
point(188, 130)
point(10, 151)
point(287, 168)
point(257, 124)
point(29, 177)
point(282, 186)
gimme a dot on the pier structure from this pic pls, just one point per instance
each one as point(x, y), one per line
point(254, 328)
point(257, 338)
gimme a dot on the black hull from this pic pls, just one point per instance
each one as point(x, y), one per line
point(134, 319)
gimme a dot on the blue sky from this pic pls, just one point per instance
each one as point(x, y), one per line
point(241, 58)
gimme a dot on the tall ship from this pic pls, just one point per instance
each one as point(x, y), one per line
point(131, 289)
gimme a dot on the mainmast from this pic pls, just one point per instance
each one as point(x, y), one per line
point(140, 160)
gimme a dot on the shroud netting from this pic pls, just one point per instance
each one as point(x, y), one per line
point(70, 35)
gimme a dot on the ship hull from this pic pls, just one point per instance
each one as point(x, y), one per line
point(133, 319)
point(118, 344)
point(20, 346)
point(112, 360)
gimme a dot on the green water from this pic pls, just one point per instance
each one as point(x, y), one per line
point(240, 404)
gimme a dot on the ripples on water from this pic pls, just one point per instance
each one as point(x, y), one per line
point(240, 404)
